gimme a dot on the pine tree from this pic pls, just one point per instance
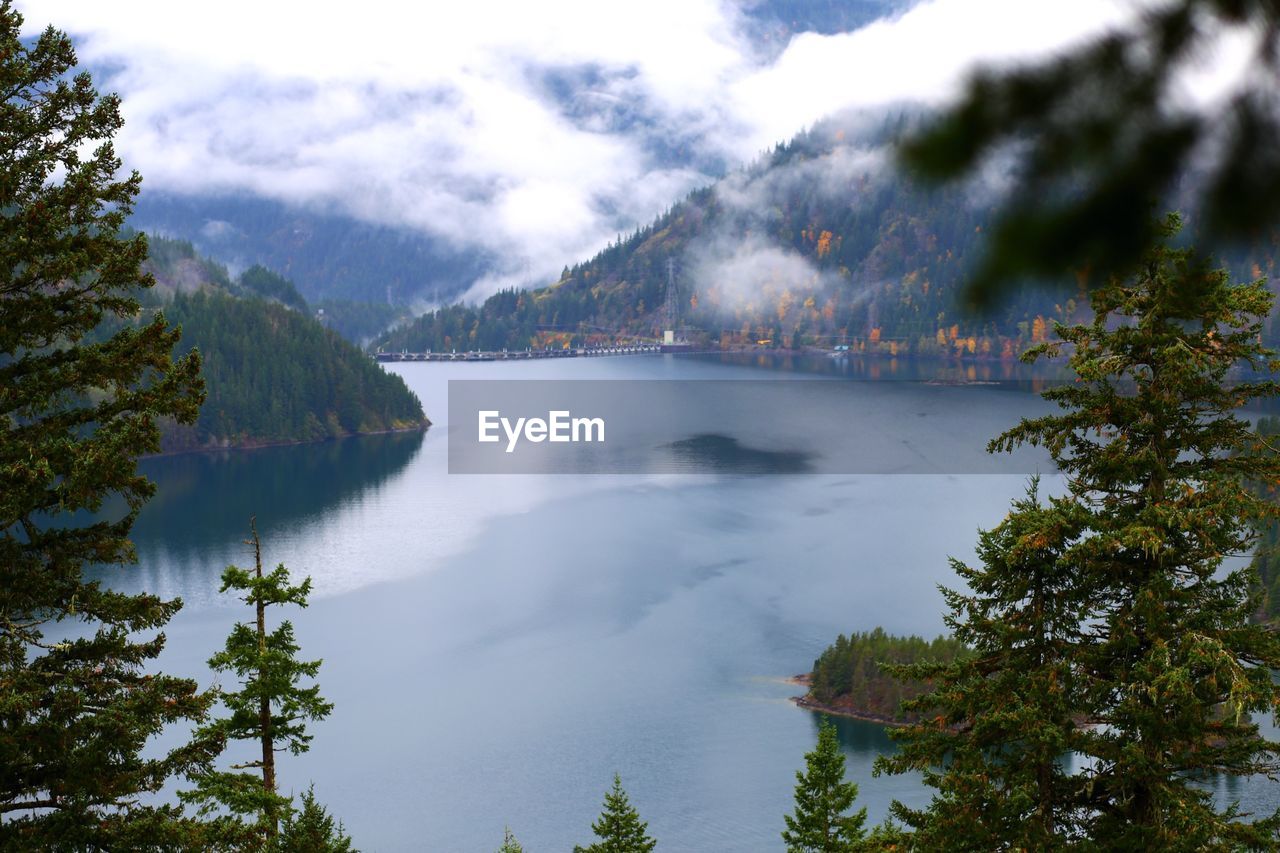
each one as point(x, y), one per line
point(509, 842)
point(1163, 660)
point(77, 409)
point(999, 718)
point(312, 830)
point(819, 823)
point(271, 708)
point(619, 828)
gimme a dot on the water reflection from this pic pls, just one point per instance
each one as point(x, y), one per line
point(857, 737)
point(207, 498)
point(877, 368)
point(196, 522)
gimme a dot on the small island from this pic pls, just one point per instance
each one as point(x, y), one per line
point(849, 678)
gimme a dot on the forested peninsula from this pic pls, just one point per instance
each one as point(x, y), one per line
point(273, 372)
point(850, 678)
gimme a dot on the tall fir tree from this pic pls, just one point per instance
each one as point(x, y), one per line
point(1164, 661)
point(76, 412)
point(998, 719)
point(819, 823)
point(271, 708)
point(619, 827)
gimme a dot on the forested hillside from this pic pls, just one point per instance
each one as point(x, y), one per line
point(820, 242)
point(273, 374)
point(179, 267)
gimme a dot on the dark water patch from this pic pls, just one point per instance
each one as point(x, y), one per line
point(724, 454)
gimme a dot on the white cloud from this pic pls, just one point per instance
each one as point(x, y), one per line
point(438, 116)
point(921, 56)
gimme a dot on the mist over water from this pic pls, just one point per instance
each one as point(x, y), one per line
point(498, 646)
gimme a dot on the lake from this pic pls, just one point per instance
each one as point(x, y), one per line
point(497, 646)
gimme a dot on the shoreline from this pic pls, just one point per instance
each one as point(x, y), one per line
point(806, 704)
point(256, 445)
point(951, 359)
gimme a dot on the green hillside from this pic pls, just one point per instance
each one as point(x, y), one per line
point(273, 373)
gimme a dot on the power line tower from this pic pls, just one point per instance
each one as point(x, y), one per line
point(670, 316)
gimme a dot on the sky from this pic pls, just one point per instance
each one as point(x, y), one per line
point(534, 131)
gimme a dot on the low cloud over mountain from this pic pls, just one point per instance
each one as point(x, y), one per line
point(527, 134)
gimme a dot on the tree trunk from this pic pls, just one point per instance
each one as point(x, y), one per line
point(264, 704)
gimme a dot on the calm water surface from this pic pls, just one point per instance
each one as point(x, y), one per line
point(498, 646)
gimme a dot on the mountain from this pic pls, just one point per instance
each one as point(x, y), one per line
point(333, 255)
point(820, 242)
point(329, 255)
point(273, 373)
point(180, 268)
